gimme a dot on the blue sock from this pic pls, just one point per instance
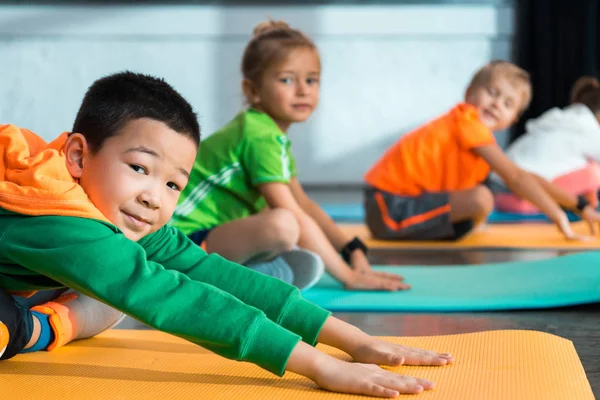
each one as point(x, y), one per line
point(46, 333)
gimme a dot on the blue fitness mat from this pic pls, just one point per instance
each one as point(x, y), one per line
point(356, 213)
point(562, 281)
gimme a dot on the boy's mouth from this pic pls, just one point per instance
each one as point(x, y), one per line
point(136, 221)
point(490, 114)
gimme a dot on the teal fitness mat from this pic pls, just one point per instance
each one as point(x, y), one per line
point(356, 213)
point(562, 281)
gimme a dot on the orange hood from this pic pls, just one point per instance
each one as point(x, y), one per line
point(34, 179)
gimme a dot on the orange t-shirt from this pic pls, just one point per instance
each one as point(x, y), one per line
point(436, 157)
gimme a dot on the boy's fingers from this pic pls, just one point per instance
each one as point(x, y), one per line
point(428, 357)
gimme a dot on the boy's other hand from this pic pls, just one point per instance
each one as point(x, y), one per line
point(592, 217)
point(565, 227)
point(374, 280)
point(382, 352)
point(366, 379)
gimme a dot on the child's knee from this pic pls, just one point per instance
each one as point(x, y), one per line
point(283, 229)
point(483, 200)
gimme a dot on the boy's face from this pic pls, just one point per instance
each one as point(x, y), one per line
point(289, 92)
point(498, 102)
point(136, 178)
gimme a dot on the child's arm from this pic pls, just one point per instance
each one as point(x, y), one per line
point(279, 195)
point(92, 258)
point(570, 202)
point(336, 236)
point(360, 378)
point(280, 301)
point(335, 375)
point(525, 185)
point(368, 349)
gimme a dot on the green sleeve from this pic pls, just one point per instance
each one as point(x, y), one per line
point(91, 257)
point(267, 158)
point(280, 301)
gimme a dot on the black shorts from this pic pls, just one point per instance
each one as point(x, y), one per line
point(199, 237)
point(15, 313)
point(423, 217)
point(18, 320)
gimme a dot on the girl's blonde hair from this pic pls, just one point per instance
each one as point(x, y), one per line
point(271, 43)
point(509, 70)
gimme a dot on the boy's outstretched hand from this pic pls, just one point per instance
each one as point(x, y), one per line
point(369, 349)
point(382, 352)
point(362, 376)
point(366, 379)
point(341, 376)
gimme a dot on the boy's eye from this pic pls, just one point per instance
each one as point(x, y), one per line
point(287, 81)
point(137, 168)
point(492, 91)
point(174, 186)
point(312, 81)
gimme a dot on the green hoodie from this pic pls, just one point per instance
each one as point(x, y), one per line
point(163, 280)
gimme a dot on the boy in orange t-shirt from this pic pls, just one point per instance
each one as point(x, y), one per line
point(429, 185)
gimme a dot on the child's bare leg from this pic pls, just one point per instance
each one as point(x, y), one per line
point(473, 204)
point(269, 233)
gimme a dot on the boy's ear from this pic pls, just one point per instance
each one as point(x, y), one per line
point(76, 148)
point(250, 91)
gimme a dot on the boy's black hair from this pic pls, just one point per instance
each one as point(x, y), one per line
point(113, 101)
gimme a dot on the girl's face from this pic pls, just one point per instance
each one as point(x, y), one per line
point(289, 91)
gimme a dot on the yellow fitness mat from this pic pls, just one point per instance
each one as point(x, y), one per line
point(497, 236)
point(122, 364)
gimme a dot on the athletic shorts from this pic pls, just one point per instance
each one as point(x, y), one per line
point(424, 217)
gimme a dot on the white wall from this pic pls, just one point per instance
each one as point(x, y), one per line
point(386, 69)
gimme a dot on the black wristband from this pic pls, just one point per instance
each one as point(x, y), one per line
point(581, 203)
point(354, 244)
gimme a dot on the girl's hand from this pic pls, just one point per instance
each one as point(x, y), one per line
point(373, 280)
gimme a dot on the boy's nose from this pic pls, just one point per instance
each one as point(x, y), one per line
point(150, 199)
